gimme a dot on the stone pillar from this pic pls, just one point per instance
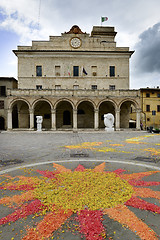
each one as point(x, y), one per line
point(31, 117)
point(9, 119)
point(74, 119)
point(138, 117)
point(117, 122)
point(96, 119)
point(53, 119)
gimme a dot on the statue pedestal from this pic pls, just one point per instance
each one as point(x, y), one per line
point(109, 129)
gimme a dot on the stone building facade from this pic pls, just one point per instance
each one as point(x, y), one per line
point(5, 83)
point(72, 80)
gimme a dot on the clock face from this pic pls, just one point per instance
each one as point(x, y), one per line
point(75, 42)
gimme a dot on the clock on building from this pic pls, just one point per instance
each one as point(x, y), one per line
point(75, 42)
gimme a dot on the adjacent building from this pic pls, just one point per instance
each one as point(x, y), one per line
point(72, 80)
point(5, 83)
point(150, 100)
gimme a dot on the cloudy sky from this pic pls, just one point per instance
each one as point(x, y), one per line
point(136, 21)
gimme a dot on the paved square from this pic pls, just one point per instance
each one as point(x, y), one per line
point(132, 159)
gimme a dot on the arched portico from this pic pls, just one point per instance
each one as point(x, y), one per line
point(18, 114)
point(85, 115)
point(125, 111)
point(42, 108)
point(104, 108)
point(64, 114)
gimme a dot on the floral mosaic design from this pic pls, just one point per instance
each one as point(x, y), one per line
point(90, 194)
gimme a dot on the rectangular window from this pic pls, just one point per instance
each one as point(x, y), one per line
point(158, 108)
point(147, 108)
point(2, 91)
point(147, 94)
point(57, 87)
point(158, 95)
point(1, 104)
point(39, 71)
point(94, 87)
point(94, 70)
point(39, 87)
point(57, 70)
point(112, 87)
point(148, 119)
point(75, 86)
point(112, 71)
point(75, 71)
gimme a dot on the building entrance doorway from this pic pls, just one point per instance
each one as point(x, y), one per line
point(66, 118)
point(2, 123)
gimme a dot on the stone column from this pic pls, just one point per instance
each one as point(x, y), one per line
point(9, 119)
point(117, 122)
point(96, 119)
point(31, 117)
point(74, 119)
point(53, 119)
point(138, 117)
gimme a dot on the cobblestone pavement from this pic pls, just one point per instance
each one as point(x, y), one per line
point(22, 153)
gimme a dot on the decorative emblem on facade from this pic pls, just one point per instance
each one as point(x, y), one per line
point(75, 30)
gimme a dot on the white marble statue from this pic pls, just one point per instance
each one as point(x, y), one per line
point(39, 123)
point(109, 122)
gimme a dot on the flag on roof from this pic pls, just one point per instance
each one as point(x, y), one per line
point(103, 19)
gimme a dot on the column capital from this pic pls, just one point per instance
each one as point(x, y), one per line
point(96, 110)
point(75, 110)
point(31, 110)
point(53, 111)
point(138, 110)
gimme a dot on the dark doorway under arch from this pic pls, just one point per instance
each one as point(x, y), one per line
point(66, 117)
point(2, 123)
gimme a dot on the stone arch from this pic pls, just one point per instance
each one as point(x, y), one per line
point(86, 100)
point(2, 123)
point(125, 111)
point(20, 113)
point(12, 103)
point(106, 106)
point(63, 99)
point(41, 99)
point(85, 114)
point(42, 107)
point(64, 114)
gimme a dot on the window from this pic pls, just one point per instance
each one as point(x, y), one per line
point(112, 87)
point(94, 87)
point(75, 71)
point(147, 94)
point(39, 71)
point(57, 87)
point(1, 104)
point(158, 108)
point(39, 87)
point(112, 71)
point(75, 86)
point(3, 91)
point(94, 70)
point(148, 119)
point(158, 95)
point(147, 108)
point(57, 70)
